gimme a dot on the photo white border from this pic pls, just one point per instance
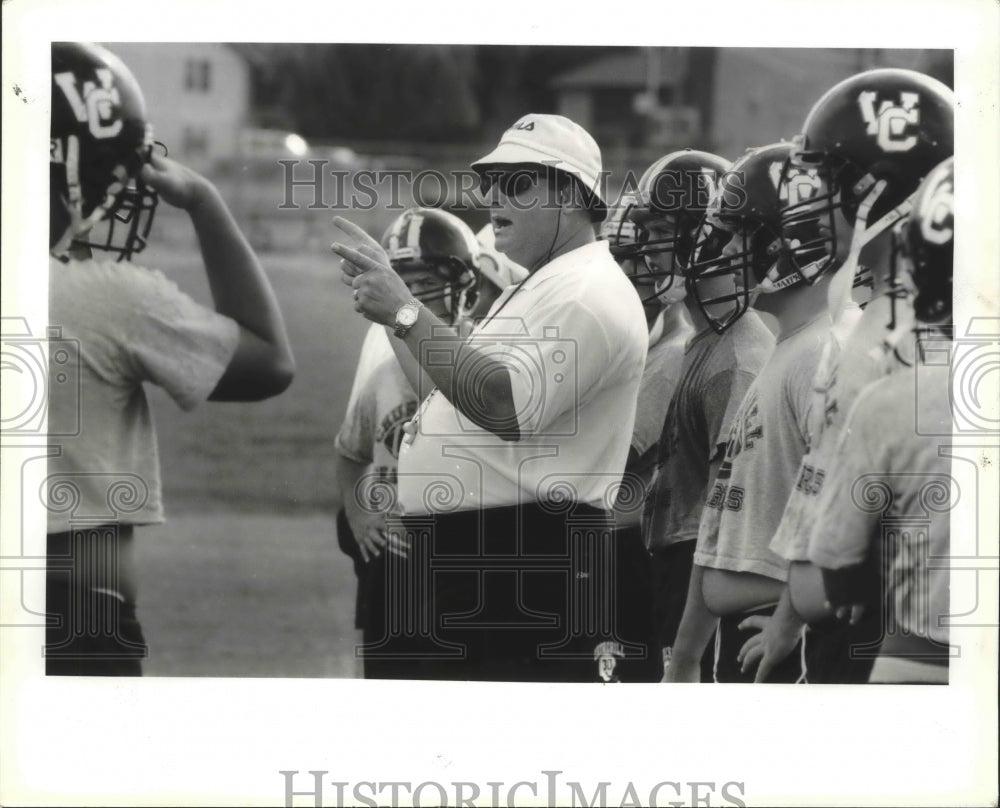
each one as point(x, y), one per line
point(223, 741)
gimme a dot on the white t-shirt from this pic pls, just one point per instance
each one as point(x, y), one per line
point(381, 402)
point(767, 441)
point(893, 484)
point(574, 338)
point(128, 325)
point(840, 378)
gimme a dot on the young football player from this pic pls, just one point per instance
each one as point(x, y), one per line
point(887, 501)
point(669, 330)
point(715, 373)
point(866, 181)
point(437, 256)
point(131, 325)
point(735, 573)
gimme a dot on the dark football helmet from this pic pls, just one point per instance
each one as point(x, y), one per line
point(738, 252)
point(424, 239)
point(671, 197)
point(100, 139)
point(869, 141)
point(622, 235)
point(927, 245)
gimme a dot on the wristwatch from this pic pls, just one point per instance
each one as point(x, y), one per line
point(406, 316)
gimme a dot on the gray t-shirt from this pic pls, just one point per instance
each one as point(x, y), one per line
point(768, 438)
point(717, 371)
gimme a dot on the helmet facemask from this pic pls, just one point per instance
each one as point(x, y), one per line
point(729, 248)
point(811, 192)
point(677, 246)
point(457, 284)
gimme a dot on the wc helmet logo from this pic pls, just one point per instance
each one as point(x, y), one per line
point(96, 105)
point(892, 125)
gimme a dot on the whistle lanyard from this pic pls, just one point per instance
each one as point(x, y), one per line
point(412, 426)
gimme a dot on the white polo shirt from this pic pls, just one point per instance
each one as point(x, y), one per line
point(574, 339)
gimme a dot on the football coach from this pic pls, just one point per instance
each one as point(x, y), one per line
point(510, 467)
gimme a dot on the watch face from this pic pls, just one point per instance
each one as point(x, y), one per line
point(407, 316)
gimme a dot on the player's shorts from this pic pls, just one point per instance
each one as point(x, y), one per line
point(509, 594)
point(671, 572)
point(635, 601)
point(93, 633)
point(90, 631)
point(839, 653)
point(730, 639)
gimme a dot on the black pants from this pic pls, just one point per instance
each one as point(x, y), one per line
point(90, 630)
point(528, 593)
point(839, 653)
point(671, 571)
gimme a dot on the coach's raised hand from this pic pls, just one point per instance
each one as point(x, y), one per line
point(378, 290)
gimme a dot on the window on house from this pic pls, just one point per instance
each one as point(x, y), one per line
point(197, 75)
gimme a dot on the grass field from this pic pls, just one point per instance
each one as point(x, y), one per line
point(245, 579)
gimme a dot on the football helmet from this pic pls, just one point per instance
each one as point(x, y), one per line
point(739, 249)
point(622, 235)
point(927, 245)
point(868, 143)
point(428, 240)
point(671, 198)
point(99, 140)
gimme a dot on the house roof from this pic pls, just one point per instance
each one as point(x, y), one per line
point(625, 69)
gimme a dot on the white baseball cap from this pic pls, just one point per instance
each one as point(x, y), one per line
point(554, 141)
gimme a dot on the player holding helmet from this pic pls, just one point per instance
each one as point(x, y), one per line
point(437, 256)
point(738, 257)
point(887, 502)
point(715, 373)
point(132, 326)
point(867, 170)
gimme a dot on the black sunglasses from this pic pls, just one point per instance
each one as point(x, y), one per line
point(514, 181)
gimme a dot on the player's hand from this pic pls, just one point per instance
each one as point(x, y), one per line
point(176, 184)
point(378, 291)
point(852, 614)
point(369, 531)
point(772, 643)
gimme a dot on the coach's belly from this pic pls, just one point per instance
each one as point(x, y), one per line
point(728, 592)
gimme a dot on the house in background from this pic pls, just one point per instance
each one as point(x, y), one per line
point(632, 98)
point(641, 102)
point(198, 95)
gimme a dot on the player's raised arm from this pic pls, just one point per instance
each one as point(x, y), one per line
point(262, 365)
